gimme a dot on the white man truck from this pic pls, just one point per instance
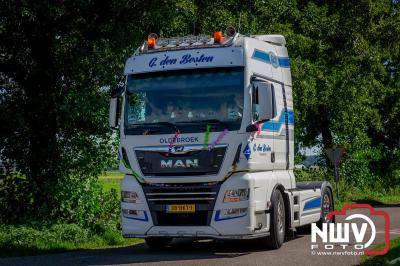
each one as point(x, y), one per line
point(207, 142)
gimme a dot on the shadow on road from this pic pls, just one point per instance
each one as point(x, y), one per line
point(180, 250)
point(377, 203)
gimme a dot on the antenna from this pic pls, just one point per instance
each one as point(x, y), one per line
point(194, 26)
point(240, 18)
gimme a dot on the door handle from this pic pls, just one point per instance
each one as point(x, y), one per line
point(272, 157)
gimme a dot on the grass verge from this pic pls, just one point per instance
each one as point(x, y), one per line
point(21, 240)
point(356, 195)
point(394, 252)
point(111, 180)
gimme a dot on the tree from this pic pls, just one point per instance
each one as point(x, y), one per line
point(58, 61)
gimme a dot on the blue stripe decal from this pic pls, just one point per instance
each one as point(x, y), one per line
point(284, 61)
point(271, 58)
point(312, 204)
point(262, 56)
point(276, 125)
point(218, 213)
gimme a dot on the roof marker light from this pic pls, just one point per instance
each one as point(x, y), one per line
point(218, 37)
point(152, 40)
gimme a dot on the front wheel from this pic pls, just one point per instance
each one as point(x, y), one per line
point(157, 242)
point(277, 224)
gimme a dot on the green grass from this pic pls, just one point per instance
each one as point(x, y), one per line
point(111, 180)
point(356, 195)
point(20, 240)
point(393, 253)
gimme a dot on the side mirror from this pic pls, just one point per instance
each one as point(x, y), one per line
point(113, 114)
point(264, 100)
point(114, 105)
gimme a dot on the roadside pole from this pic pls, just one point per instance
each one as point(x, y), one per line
point(337, 179)
point(335, 154)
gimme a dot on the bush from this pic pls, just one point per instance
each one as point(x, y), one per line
point(319, 174)
point(71, 199)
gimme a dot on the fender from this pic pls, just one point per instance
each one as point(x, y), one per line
point(286, 201)
point(277, 186)
point(314, 185)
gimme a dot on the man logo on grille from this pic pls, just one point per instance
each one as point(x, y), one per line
point(180, 163)
point(179, 148)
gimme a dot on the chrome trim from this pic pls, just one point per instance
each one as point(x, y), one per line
point(180, 193)
point(179, 199)
point(186, 148)
point(176, 235)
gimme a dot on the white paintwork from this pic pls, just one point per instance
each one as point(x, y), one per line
point(272, 38)
point(257, 172)
point(221, 57)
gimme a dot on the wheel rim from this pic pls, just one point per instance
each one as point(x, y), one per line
point(280, 216)
point(326, 206)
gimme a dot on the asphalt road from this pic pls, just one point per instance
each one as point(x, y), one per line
point(207, 252)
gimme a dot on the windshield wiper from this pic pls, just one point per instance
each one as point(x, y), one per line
point(207, 121)
point(214, 121)
point(169, 124)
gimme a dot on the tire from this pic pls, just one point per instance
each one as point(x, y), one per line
point(277, 222)
point(326, 207)
point(157, 242)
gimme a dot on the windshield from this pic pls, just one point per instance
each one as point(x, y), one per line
point(187, 100)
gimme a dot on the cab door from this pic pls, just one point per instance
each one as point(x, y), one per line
point(280, 129)
point(263, 111)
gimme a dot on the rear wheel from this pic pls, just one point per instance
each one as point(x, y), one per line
point(277, 222)
point(158, 242)
point(326, 207)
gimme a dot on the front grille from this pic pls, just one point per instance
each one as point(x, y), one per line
point(195, 161)
point(203, 195)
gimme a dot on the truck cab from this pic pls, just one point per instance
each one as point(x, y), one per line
point(207, 141)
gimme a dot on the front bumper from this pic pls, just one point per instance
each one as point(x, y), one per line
point(242, 227)
point(192, 232)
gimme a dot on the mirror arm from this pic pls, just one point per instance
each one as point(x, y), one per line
point(253, 128)
point(118, 92)
point(263, 121)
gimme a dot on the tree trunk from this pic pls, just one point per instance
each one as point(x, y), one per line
point(327, 139)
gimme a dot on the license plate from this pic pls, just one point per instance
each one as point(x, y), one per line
point(182, 208)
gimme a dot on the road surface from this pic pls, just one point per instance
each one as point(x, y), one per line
point(207, 252)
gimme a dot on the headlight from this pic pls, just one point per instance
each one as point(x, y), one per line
point(226, 214)
point(236, 195)
point(135, 214)
point(129, 197)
